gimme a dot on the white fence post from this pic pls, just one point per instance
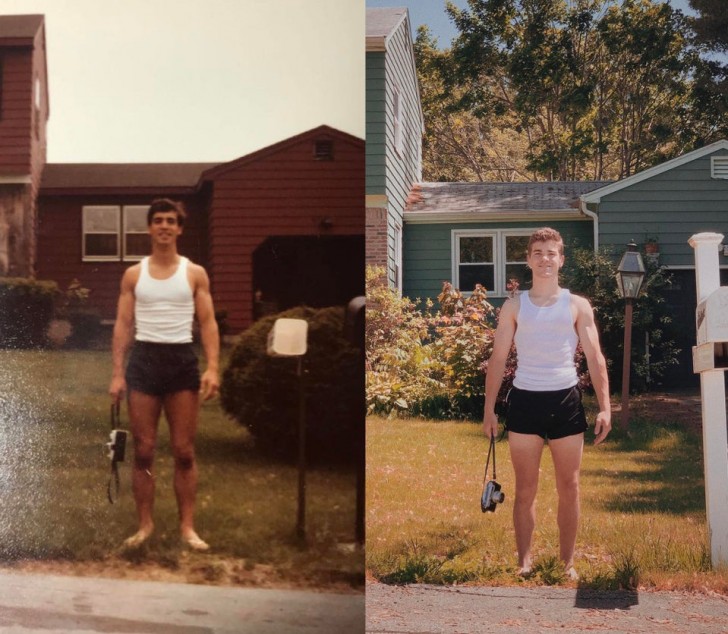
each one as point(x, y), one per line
point(712, 393)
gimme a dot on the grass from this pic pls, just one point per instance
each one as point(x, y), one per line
point(643, 510)
point(54, 420)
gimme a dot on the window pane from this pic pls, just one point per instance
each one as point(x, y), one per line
point(100, 244)
point(519, 272)
point(471, 275)
point(137, 244)
point(516, 248)
point(101, 219)
point(135, 218)
point(476, 249)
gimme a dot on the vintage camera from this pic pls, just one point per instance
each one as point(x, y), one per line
point(116, 445)
point(492, 495)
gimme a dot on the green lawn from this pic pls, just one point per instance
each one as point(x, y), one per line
point(643, 509)
point(54, 420)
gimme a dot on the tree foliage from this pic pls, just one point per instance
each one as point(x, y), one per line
point(564, 90)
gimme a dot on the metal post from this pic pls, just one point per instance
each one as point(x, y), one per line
point(624, 420)
point(301, 518)
point(712, 394)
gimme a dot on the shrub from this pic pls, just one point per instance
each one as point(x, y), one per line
point(400, 370)
point(261, 392)
point(26, 310)
point(594, 276)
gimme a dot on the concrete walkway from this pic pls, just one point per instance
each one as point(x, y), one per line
point(39, 604)
point(424, 609)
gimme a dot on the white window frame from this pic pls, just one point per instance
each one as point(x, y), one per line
point(722, 171)
point(499, 256)
point(398, 120)
point(84, 233)
point(398, 257)
point(126, 232)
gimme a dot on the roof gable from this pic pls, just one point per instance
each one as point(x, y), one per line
point(597, 195)
point(281, 146)
point(381, 23)
point(19, 30)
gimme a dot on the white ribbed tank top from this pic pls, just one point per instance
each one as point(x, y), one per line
point(164, 309)
point(546, 344)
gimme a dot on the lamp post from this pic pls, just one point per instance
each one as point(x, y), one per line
point(630, 275)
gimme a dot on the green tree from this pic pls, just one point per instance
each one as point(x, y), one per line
point(711, 23)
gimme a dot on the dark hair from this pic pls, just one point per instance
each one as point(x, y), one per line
point(165, 205)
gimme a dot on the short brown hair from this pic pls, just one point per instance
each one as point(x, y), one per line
point(546, 234)
point(165, 205)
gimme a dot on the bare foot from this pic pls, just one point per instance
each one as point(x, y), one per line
point(194, 541)
point(525, 572)
point(138, 538)
point(571, 574)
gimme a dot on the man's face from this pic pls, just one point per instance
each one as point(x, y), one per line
point(545, 259)
point(165, 227)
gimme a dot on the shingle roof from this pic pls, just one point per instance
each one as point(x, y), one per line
point(382, 21)
point(122, 175)
point(464, 198)
point(19, 26)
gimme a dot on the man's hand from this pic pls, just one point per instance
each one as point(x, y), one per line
point(117, 388)
point(490, 424)
point(602, 427)
point(209, 384)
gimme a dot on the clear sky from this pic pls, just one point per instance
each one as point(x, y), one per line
point(196, 80)
point(432, 13)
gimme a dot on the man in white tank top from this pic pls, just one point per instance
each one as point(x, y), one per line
point(546, 323)
point(158, 300)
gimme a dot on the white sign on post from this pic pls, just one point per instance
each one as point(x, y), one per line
point(710, 361)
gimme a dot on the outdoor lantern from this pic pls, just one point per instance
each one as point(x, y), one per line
point(630, 273)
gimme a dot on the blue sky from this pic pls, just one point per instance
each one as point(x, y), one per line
point(432, 13)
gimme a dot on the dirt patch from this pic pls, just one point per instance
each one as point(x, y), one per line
point(659, 407)
point(195, 569)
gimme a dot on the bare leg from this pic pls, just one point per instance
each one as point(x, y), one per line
point(567, 454)
point(526, 452)
point(144, 411)
point(181, 410)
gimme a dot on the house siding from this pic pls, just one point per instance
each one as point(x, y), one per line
point(286, 193)
point(389, 171)
point(60, 255)
point(671, 206)
point(428, 251)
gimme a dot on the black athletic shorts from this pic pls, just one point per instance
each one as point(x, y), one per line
point(553, 414)
point(162, 368)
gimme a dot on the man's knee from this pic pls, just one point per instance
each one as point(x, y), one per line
point(143, 461)
point(184, 459)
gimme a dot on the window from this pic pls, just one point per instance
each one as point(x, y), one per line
point(719, 166)
point(398, 123)
point(490, 258)
point(398, 257)
point(136, 234)
point(101, 233)
point(113, 233)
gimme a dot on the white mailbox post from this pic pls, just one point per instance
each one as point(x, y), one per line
point(289, 338)
point(710, 360)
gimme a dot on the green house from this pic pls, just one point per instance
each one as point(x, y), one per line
point(476, 232)
point(394, 129)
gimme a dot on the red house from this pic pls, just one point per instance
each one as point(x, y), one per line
point(280, 227)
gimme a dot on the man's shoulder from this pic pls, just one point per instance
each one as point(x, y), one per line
point(580, 302)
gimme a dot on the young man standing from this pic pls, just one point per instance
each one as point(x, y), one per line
point(159, 298)
point(546, 323)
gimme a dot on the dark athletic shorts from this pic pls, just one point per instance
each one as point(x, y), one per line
point(162, 368)
point(555, 414)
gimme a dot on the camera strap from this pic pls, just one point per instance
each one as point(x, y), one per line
point(491, 451)
point(112, 488)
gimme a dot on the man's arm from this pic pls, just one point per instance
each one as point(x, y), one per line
point(497, 363)
point(586, 328)
point(210, 381)
point(123, 333)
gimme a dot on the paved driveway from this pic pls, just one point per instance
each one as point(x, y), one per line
point(39, 604)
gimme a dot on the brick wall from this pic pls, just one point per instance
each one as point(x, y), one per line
point(376, 236)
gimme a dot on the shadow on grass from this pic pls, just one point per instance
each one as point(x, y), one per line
point(670, 473)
